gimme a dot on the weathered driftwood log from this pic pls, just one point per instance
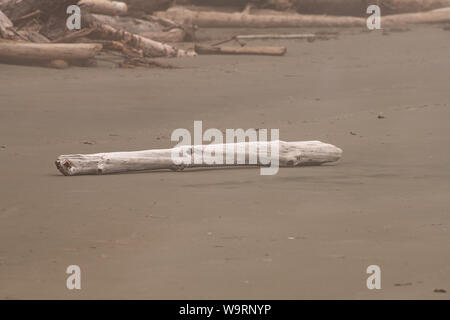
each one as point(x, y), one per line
point(290, 154)
point(244, 20)
point(47, 51)
point(6, 27)
point(275, 36)
point(149, 47)
point(268, 51)
point(221, 19)
point(148, 29)
point(433, 16)
point(113, 8)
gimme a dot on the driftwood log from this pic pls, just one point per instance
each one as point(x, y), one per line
point(267, 51)
point(291, 154)
point(150, 48)
point(307, 36)
point(12, 51)
point(212, 19)
point(155, 29)
point(113, 8)
point(245, 20)
point(433, 16)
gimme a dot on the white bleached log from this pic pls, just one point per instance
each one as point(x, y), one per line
point(112, 8)
point(291, 154)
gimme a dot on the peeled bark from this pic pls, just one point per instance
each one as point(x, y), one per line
point(267, 51)
point(113, 8)
point(10, 51)
point(290, 154)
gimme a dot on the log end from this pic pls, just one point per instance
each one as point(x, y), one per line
point(77, 164)
point(64, 166)
point(308, 153)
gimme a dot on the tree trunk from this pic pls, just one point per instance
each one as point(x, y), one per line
point(268, 51)
point(290, 154)
point(11, 51)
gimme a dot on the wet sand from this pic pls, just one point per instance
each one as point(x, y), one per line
point(304, 233)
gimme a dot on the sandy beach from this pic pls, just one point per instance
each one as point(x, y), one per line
point(305, 233)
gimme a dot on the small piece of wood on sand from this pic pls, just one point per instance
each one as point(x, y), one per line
point(270, 51)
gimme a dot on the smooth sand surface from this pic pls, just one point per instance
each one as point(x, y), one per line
point(304, 233)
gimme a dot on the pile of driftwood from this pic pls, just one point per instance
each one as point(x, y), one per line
point(35, 31)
